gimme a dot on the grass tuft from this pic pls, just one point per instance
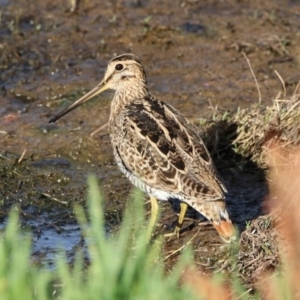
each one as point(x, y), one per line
point(245, 133)
point(119, 266)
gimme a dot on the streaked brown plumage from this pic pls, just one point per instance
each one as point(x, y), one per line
point(156, 147)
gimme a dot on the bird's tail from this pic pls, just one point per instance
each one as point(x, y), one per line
point(226, 230)
point(216, 212)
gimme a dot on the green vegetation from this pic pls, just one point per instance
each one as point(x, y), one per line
point(123, 266)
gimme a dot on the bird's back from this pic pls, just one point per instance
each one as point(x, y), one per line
point(163, 149)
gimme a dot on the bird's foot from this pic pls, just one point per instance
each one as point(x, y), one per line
point(175, 233)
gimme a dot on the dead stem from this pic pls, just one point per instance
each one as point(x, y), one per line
point(22, 156)
point(252, 72)
point(182, 247)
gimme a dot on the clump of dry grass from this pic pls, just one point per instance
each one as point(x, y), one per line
point(247, 130)
point(271, 244)
point(268, 257)
point(255, 126)
point(259, 250)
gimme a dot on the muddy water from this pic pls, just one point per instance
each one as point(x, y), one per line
point(192, 51)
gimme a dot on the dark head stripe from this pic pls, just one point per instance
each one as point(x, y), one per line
point(132, 57)
point(127, 56)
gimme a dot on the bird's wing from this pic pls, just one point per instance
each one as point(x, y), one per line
point(165, 151)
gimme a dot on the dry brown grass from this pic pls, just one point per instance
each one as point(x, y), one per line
point(246, 131)
point(258, 251)
point(258, 124)
point(268, 258)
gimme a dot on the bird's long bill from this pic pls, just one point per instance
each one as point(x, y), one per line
point(102, 86)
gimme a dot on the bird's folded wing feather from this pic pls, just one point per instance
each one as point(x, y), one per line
point(166, 151)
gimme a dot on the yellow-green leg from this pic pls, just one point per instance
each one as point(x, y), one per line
point(154, 215)
point(183, 209)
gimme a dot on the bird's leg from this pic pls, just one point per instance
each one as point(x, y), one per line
point(183, 209)
point(154, 215)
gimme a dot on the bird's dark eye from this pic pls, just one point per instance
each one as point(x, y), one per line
point(119, 67)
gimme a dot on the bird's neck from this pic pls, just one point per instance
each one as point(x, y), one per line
point(124, 97)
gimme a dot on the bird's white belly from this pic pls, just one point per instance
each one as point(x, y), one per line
point(151, 191)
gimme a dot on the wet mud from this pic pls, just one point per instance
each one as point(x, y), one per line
point(52, 52)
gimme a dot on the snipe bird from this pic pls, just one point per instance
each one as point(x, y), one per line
point(157, 148)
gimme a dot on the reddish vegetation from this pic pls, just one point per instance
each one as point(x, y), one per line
point(284, 183)
point(10, 117)
point(205, 286)
point(283, 203)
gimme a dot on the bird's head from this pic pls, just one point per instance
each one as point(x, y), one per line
point(123, 73)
